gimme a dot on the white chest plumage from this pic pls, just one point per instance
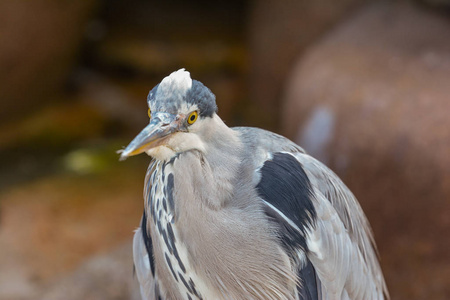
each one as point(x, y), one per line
point(162, 205)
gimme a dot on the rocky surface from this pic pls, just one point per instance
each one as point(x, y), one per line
point(50, 227)
point(103, 277)
point(371, 99)
point(278, 32)
point(40, 41)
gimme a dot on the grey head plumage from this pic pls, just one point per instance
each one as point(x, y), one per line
point(181, 112)
point(178, 90)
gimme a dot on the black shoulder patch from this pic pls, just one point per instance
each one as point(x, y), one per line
point(286, 188)
point(287, 191)
point(148, 243)
point(285, 185)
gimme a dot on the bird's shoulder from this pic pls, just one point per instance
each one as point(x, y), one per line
point(264, 140)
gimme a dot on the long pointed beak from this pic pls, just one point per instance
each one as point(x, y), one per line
point(160, 126)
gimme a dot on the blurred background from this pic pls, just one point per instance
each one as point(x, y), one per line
point(362, 85)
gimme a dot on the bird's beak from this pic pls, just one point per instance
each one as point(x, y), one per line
point(161, 125)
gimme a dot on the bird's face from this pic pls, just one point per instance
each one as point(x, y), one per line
point(180, 110)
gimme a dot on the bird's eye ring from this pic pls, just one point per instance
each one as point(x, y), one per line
point(192, 117)
point(149, 112)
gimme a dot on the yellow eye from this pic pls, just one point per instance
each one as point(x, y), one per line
point(192, 118)
point(149, 113)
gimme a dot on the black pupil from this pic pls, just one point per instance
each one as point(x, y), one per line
point(192, 117)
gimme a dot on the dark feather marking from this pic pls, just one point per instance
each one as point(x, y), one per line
point(170, 186)
point(308, 289)
point(151, 201)
point(153, 211)
point(157, 292)
point(166, 240)
point(171, 234)
point(164, 204)
point(291, 238)
point(184, 282)
point(180, 263)
point(148, 243)
point(191, 282)
point(172, 160)
point(163, 171)
point(149, 191)
point(171, 237)
point(189, 297)
point(170, 267)
point(158, 224)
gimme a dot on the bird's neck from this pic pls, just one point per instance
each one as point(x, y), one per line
point(224, 158)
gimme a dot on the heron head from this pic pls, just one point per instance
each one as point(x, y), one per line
point(181, 112)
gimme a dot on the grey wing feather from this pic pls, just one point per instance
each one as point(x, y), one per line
point(143, 248)
point(345, 209)
point(142, 266)
point(340, 245)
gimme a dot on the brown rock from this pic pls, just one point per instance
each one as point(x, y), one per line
point(51, 226)
point(372, 100)
point(39, 42)
point(102, 277)
point(278, 32)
